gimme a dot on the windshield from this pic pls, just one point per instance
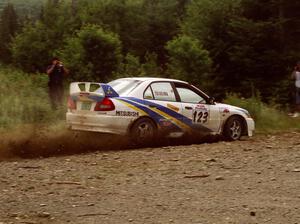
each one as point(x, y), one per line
point(124, 86)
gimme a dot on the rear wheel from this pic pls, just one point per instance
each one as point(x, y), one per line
point(143, 132)
point(233, 129)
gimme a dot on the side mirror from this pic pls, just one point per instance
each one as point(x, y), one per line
point(211, 100)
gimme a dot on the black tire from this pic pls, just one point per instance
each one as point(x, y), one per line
point(233, 129)
point(143, 132)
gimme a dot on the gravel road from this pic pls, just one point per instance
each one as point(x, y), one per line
point(256, 180)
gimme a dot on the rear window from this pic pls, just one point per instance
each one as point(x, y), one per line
point(163, 91)
point(124, 86)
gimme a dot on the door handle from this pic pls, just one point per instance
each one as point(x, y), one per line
point(188, 108)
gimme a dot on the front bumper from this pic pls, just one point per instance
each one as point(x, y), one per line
point(251, 126)
point(99, 123)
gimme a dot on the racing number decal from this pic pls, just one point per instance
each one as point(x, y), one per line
point(200, 114)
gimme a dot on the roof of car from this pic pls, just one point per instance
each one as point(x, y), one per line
point(143, 79)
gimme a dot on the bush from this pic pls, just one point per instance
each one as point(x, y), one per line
point(188, 60)
point(267, 118)
point(31, 49)
point(93, 54)
point(23, 98)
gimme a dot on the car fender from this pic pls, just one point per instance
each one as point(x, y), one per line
point(228, 111)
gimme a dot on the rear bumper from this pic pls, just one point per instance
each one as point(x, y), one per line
point(99, 123)
point(250, 126)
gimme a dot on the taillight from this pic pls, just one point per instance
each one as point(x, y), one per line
point(105, 105)
point(71, 103)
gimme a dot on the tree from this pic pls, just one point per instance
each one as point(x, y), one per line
point(188, 60)
point(143, 26)
point(208, 21)
point(162, 26)
point(150, 66)
point(130, 66)
point(122, 17)
point(92, 53)
point(8, 29)
point(250, 42)
point(39, 41)
point(31, 48)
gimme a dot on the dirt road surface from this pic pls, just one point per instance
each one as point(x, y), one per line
point(251, 181)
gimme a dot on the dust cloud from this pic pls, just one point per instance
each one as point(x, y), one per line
point(34, 141)
point(31, 141)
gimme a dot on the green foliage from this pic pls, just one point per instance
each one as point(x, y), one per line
point(207, 21)
point(31, 48)
point(143, 26)
point(188, 60)
point(222, 45)
point(267, 118)
point(259, 62)
point(150, 67)
point(251, 42)
point(38, 42)
point(23, 98)
point(93, 53)
point(130, 67)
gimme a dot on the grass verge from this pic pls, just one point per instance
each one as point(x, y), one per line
point(268, 119)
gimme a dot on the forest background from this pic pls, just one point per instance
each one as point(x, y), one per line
point(245, 47)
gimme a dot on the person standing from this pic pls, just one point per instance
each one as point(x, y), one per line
point(296, 77)
point(56, 72)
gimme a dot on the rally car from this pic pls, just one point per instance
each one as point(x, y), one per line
point(147, 108)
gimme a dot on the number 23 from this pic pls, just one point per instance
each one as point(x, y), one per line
point(200, 117)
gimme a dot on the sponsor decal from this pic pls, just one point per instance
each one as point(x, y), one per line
point(165, 123)
point(109, 91)
point(200, 107)
point(160, 93)
point(172, 107)
point(224, 110)
point(83, 94)
point(127, 113)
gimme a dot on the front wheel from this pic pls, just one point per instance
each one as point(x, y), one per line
point(233, 129)
point(143, 132)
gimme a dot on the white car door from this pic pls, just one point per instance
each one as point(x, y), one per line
point(202, 115)
point(163, 101)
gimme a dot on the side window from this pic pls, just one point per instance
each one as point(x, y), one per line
point(148, 94)
point(189, 96)
point(163, 91)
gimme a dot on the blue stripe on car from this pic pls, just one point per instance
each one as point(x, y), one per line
point(159, 119)
point(172, 113)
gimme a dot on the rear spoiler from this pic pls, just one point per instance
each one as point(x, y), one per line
point(91, 90)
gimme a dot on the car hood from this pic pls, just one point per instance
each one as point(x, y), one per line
point(230, 108)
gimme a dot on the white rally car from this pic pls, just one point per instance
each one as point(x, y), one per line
point(145, 108)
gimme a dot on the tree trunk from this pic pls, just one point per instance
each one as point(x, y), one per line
point(74, 7)
point(281, 18)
